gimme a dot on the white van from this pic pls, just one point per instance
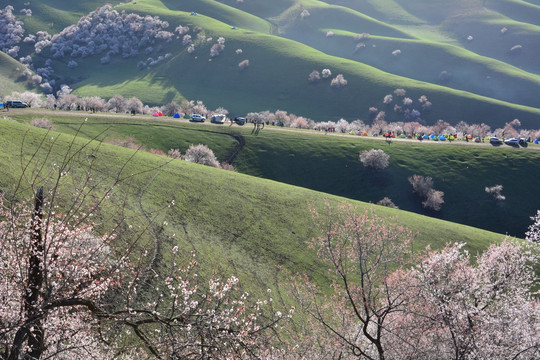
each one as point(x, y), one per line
point(218, 119)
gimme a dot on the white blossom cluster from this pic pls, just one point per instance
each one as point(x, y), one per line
point(153, 62)
point(111, 32)
point(11, 32)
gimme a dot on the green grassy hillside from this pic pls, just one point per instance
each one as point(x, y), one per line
point(431, 35)
point(330, 164)
point(238, 224)
point(10, 77)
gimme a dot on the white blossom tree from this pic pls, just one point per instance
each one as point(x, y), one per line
point(457, 309)
point(11, 31)
point(374, 159)
point(339, 81)
point(533, 233)
point(201, 154)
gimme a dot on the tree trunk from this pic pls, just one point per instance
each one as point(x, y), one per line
point(35, 281)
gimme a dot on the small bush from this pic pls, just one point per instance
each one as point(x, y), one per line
point(43, 123)
point(227, 166)
point(423, 186)
point(434, 200)
point(496, 192)
point(314, 76)
point(157, 152)
point(244, 64)
point(374, 159)
point(386, 201)
point(174, 153)
point(326, 73)
point(338, 81)
point(201, 154)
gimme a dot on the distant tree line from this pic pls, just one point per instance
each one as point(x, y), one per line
point(66, 100)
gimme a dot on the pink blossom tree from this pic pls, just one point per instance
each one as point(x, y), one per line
point(71, 289)
point(460, 310)
point(361, 251)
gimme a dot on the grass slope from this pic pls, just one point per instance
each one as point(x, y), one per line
point(55, 15)
point(195, 77)
point(10, 77)
point(238, 224)
point(330, 164)
point(219, 82)
point(223, 13)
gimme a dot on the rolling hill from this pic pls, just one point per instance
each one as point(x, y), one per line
point(237, 223)
point(11, 77)
point(329, 164)
point(470, 42)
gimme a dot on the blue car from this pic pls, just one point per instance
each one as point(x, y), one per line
point(495, 140)
point(239, 121)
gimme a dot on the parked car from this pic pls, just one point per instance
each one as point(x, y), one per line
point(197, 118)
point(511, 141)
point(218, 119)
point(239, 120)
point(495, 140)
point(16, 104)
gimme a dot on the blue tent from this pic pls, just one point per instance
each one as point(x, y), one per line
point(425, 137)
point(176, 116)
point(432, 136)
point(536, 141)
point(442, 138)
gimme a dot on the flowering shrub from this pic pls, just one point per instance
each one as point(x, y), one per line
point(496, 192)
point(244, 64)
point(338, 81)
point(423, 186)
point(201, 154)
point(533, 233)
point(314, 76)
point(43, 123)
point(374, 159)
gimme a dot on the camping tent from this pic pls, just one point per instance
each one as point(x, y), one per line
point(442, 137)
point(155, 114)
point(176, 116)
point(425, 137)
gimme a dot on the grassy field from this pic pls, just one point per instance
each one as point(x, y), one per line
point(330, 164)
